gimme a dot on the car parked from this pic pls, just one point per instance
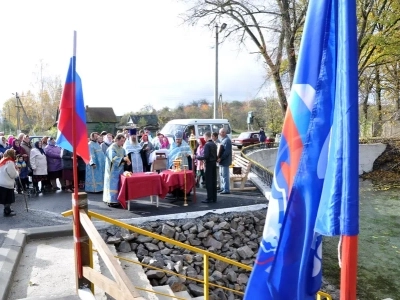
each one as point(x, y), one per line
point(246, 139)
point(34, 139)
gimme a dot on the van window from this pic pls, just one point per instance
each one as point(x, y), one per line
point(172, 128)
point(217, 127)
point(188, 131)
point(227, 128)
point(202, 129)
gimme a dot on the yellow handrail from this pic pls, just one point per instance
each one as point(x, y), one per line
point(162, 238)
point(206, 254)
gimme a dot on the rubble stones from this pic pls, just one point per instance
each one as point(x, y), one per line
point(233, 235)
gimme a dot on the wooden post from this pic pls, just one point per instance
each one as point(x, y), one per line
point(83, 243)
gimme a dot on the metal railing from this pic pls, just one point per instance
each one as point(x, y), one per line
point(263, 173)
point(206, 256)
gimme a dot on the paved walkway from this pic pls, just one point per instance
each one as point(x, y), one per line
point(44, 268)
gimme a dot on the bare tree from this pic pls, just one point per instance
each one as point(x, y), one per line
point(273, 29)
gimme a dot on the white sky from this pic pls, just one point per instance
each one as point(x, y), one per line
point(129, 53)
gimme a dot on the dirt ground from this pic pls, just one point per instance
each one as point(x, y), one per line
point(379, 238)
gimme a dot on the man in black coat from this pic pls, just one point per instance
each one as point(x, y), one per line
point(210, 158)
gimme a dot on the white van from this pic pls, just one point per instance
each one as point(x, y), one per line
point(197, 126)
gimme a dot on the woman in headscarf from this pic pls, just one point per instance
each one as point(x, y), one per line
point(8, 173)
point(39, 166)
point(16, 145)
point(164, 142)
point(200, 163)
point(54, 164)
point(10, 140)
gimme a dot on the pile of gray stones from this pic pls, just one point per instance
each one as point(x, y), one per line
point(233, 235)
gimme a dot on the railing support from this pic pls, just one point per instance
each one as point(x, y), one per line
point(84, 244)
point(205, 275)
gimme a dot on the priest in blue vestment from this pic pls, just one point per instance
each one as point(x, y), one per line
point(115, 160)
point(133, 150)
point(179, 150)
point(95, 168)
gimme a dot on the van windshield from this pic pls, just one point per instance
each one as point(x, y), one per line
point(172, 128)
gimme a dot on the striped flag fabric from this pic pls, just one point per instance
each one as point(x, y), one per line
point(315, 185)
point(73, 92)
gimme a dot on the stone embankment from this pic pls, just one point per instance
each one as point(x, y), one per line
point(232, 235)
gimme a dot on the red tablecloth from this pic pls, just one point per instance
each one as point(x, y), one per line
point(141, 185)
point(175, 180)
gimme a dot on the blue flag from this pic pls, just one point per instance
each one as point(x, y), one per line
point(315, 186)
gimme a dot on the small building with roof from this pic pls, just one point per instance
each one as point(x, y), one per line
point(101, 119)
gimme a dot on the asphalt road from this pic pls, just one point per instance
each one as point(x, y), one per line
point(45, 210)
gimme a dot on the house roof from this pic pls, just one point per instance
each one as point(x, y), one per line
point(150, 119)
point(100, 114)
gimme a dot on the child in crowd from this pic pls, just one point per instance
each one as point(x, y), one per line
point(23, 175)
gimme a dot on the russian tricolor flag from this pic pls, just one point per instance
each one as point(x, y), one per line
point(73, 92)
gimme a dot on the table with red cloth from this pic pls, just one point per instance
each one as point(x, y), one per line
point(141, 185)
point(176, 180)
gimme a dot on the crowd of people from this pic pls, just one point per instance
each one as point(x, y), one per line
point(43, 163)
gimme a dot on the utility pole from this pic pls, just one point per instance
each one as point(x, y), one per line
point(18, 106)
point(223, 26)
point(221, 104)
point(216, 73)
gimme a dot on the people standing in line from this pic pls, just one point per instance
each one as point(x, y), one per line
point(157, 141)
point(146, 149)
point(107, 141)
point(210, 158)
point(22, 182)
point(116, 158)
point(45, 140)
point(67, 172)
point(200, 163)
point(148, 133)
point(95, 168)
point(261, 135)
point(214, 137)
point(27, 146)
point(81, 173)
point(54, 164)
point(39, 167)
point(18, 149)
point(10, 140)
point(164, 143)
point(100, 139)
point(139, 136)
point(224, 160)
point(20, 137)
point(132, 148)
point(3, 146)
point(8, 173)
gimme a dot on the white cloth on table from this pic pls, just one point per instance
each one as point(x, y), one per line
point(153, 154)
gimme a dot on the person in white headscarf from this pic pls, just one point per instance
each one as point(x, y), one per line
point(107, 141)
point(133, 148)
point(179, 150)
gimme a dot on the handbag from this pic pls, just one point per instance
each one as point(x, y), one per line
point(237, 170)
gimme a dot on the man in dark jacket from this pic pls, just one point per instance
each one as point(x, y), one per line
point(210, 158)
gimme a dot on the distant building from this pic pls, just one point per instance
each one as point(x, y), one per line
point(149, 121)
point(101, 119)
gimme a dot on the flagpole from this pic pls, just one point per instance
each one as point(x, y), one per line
point(75, 169)
point(348, 274)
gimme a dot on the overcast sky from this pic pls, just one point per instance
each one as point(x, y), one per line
point(129, 53)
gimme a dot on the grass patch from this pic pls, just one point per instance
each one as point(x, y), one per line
point(378, 245)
